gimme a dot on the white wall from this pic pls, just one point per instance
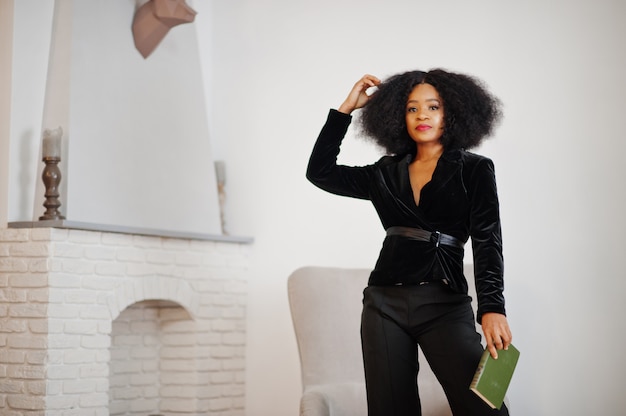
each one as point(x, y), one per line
point(32, 24)
point(278, 65)
point(136, 142)
point(6, 50)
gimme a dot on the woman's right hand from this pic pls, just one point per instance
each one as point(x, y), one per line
point(358, 97)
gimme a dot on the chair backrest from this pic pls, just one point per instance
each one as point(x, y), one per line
point(326, 308)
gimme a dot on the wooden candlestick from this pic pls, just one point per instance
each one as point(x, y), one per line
point(51, 176)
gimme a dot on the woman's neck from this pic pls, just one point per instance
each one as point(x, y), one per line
point(428, 152)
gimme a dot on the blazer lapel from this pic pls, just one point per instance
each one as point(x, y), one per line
point(448, 167)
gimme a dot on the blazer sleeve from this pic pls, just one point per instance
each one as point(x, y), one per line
point(486, 234)
point(323, 170)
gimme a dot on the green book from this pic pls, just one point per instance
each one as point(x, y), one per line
point(492, 377)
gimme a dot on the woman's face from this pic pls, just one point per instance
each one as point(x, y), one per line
point(424, 114)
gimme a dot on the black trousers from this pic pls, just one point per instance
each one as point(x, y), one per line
point(395, 320)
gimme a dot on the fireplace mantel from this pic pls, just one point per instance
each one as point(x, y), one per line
point(87, 226)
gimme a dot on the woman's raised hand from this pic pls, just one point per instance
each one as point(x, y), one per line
point(358, 97)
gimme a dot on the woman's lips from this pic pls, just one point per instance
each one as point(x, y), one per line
point(423, 127)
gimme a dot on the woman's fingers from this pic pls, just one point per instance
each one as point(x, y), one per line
point(497, 332)
point(370, 80)
point(358, 95)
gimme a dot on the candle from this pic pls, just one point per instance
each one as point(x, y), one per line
point(220, 172)
point(52, 143)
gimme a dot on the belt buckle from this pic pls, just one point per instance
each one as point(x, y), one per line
point(435, 237)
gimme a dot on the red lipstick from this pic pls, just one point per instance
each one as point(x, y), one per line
point(423, 127)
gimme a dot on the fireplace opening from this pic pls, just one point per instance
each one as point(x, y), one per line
point(153, 360)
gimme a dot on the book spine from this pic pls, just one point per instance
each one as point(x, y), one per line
point(480, 369)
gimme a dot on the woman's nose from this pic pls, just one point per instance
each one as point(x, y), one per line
point(421, 115)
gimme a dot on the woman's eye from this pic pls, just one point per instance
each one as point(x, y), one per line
point(411, 110)
point(434, 107)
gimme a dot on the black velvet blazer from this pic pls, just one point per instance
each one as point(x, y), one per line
point(461, 200)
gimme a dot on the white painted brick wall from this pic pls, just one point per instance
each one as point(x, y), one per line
point(98, 323)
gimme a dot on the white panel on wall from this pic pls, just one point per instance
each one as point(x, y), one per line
point(138, 146)
point(32, 22)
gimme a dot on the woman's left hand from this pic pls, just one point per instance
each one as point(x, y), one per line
point(497, 332)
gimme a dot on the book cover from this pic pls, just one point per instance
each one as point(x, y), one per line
point(492, 377)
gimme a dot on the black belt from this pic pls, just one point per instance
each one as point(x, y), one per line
point(422, 235)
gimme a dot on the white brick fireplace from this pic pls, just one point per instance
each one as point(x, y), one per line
point(121, 323)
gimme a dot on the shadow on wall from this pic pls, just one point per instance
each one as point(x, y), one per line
point(26, 178)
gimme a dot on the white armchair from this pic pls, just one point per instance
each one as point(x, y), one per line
point(326, 312)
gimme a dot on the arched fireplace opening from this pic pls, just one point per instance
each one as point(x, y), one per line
point(153, 359)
